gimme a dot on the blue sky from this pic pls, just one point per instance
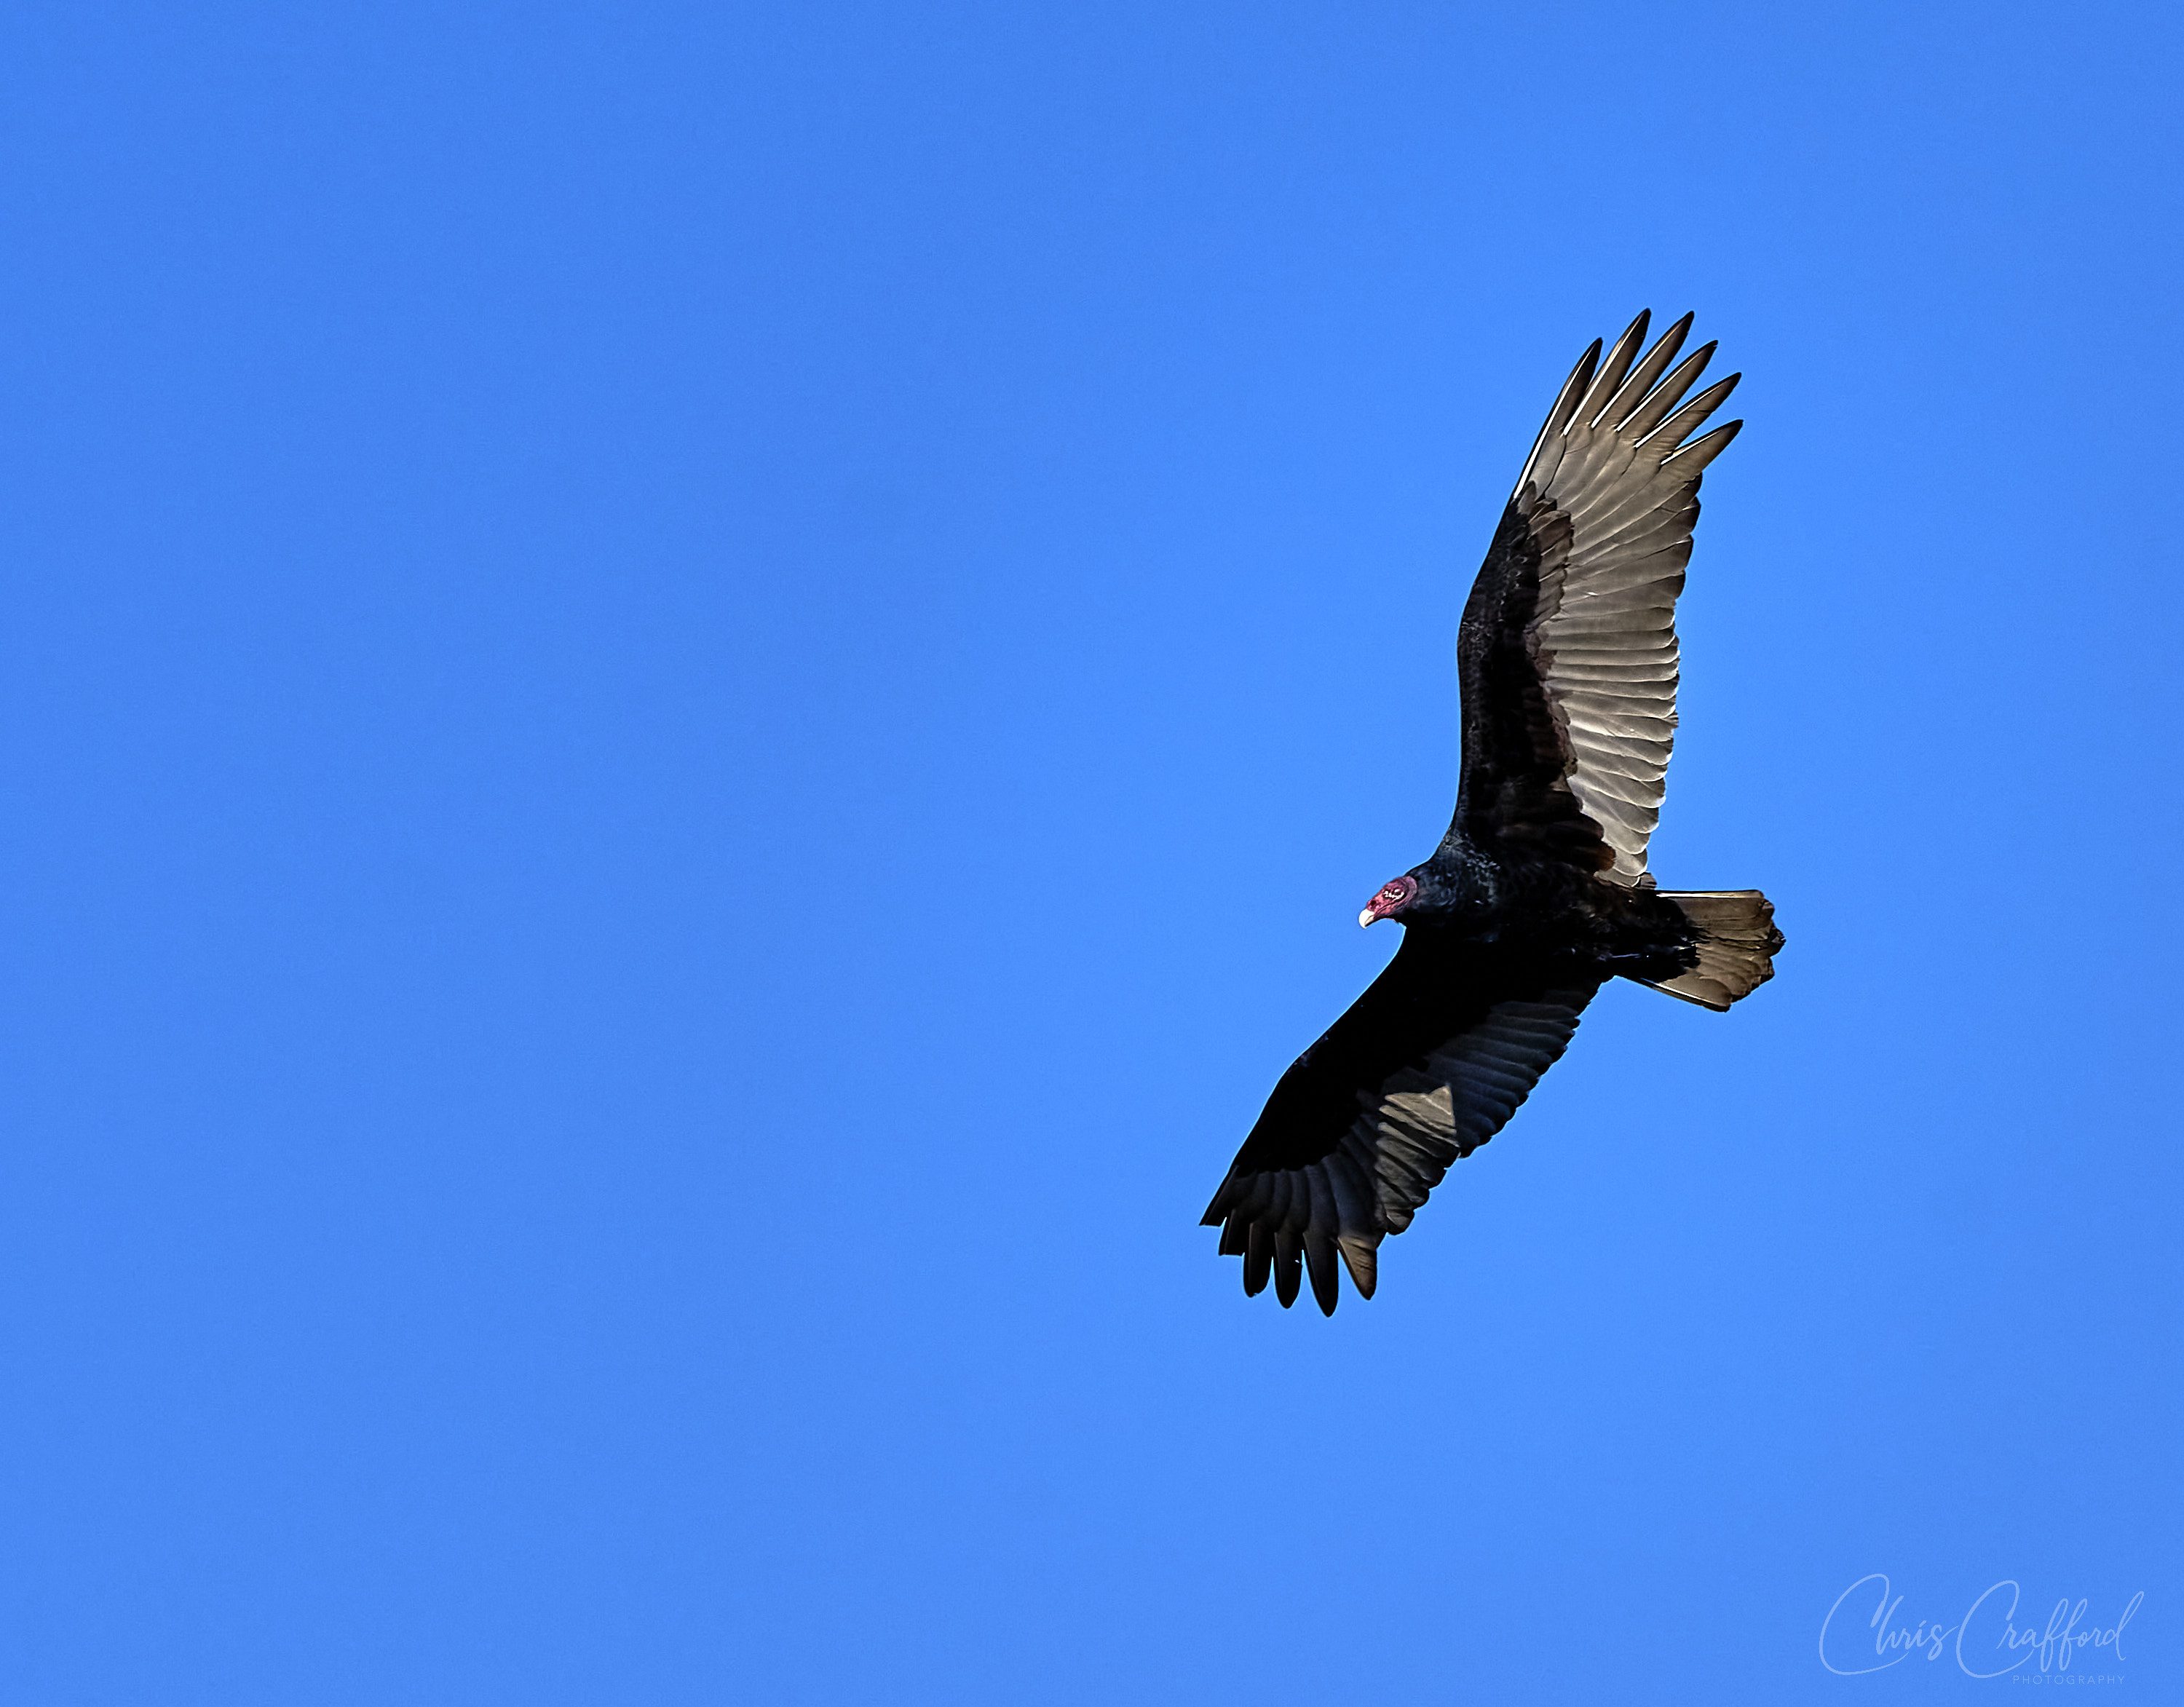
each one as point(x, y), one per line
point(693, 701)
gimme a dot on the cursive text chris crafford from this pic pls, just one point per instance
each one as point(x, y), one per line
point(1986, 1641)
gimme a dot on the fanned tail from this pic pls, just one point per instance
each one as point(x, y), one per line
point(1737, 943)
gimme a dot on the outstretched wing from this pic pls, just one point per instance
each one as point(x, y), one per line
point(1566, 654)
point(1428, 1065)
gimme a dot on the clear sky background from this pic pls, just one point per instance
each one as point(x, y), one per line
point(695, 700)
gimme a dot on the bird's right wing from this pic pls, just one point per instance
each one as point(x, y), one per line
point(1427, 1065)
point(1566, 654)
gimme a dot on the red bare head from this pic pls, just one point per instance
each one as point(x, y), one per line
point(1395, 895)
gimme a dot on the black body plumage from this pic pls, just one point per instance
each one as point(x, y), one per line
point(1566, 666)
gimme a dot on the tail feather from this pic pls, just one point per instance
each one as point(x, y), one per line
point(1736, 943)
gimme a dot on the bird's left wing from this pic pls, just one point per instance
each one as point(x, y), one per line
point(1428, 1065)
point(1567, 648)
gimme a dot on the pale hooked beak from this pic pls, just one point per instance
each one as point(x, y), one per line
point(1368, 917)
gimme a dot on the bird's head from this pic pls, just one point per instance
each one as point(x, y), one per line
point(1395, 894)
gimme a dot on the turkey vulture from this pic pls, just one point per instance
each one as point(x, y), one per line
point(1566, 662)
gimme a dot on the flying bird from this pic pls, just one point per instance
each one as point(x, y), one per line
point(1566, 666)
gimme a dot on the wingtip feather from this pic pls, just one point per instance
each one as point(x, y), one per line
point(1604, 385)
